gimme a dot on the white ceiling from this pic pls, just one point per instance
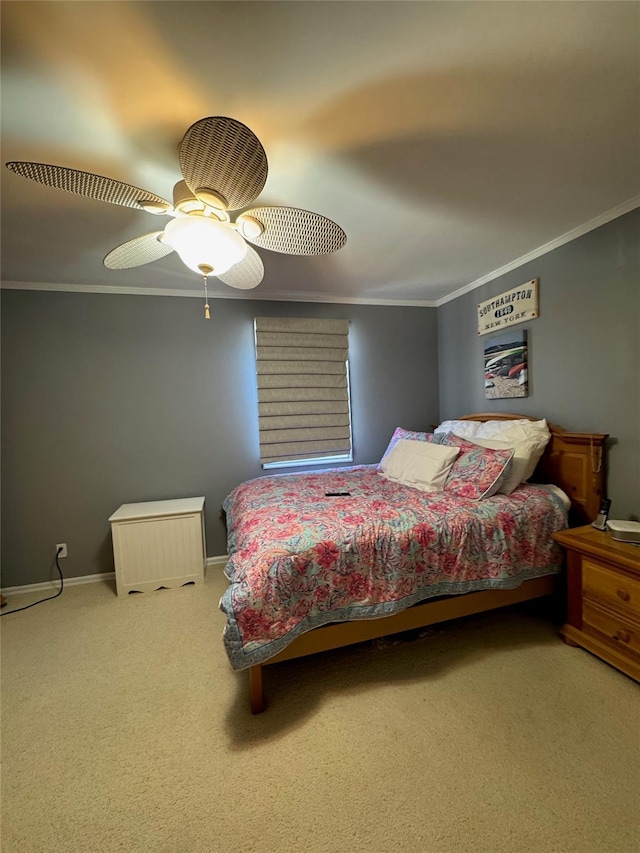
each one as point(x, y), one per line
point(448, 139)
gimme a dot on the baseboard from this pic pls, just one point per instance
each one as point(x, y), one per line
point(54, 584)
point(217, 562)
point(211, 563)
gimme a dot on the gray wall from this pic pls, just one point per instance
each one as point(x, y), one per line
point(111, 399)
point(584, 348)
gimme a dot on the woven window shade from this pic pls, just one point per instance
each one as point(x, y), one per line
point(303, 388)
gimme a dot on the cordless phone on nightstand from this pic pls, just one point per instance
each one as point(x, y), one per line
point(603, 513)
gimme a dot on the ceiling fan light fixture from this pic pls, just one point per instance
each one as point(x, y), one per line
point(203, 241)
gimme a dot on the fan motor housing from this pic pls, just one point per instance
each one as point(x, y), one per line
point(184, 201)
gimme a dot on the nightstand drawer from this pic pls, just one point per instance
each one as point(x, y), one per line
point(613, 588)
point(617, 630)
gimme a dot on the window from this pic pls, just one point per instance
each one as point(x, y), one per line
point(304, 407)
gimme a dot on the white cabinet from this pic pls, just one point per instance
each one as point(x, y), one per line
point(158, 544)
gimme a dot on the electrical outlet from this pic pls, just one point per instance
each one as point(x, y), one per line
point(63, 552)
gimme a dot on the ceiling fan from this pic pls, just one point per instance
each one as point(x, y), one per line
point(224, 167)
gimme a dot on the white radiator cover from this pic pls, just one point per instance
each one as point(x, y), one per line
point(158, 544)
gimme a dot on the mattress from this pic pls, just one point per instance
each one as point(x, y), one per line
point(300, 558)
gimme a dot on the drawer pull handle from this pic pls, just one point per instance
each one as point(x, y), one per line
point(621, 636)
point(623, 594)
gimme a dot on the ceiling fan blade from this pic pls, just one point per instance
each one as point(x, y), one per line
point(222, 156)
point(291, 230)
point(136, 252)
point(91, 186)
point(247, 273)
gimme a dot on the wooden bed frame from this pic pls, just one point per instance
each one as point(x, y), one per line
point(574, 461)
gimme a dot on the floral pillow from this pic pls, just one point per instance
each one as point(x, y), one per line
point(478, 472)
point(405, 434)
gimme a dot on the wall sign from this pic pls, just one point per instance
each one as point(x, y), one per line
point(509, 308)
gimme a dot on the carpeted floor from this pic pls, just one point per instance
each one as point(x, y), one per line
point(124, 729)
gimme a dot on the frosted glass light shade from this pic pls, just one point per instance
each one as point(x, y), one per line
point(204, 241)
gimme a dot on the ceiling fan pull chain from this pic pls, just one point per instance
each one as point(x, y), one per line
point(207, 312)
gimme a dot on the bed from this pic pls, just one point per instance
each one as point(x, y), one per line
point(311, 571)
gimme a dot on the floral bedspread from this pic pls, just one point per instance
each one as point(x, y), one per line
point(299, 559)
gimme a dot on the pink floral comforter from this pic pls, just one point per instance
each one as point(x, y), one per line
point(299, 559)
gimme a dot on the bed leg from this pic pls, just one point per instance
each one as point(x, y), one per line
point(257, 696)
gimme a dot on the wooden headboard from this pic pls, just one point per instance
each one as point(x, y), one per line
point(572, 460)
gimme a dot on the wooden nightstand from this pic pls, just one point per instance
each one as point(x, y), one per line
point(603, 597)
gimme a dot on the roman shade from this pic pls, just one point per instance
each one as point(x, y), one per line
point(303, 389)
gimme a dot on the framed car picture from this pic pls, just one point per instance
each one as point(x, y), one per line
point(506, 370)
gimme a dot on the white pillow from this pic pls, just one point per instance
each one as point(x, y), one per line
point(465, 429)
point(526, 453)
point(494, 429)
point(513, 429)
point(420, 464)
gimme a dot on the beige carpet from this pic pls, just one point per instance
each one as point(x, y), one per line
point(124, 729)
